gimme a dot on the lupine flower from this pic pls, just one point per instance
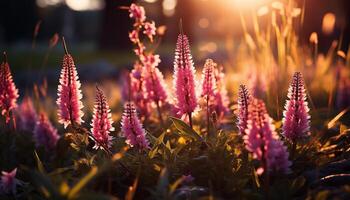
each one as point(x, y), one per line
point(150, 29)
point(137, 13)
point(184, 78)
point(221, 101)
point(8, 90)
point(8, 182)
point(134, 36)
point(102, 121)
point(243, 103)
point(208, 77)
point(296, 121)
point(262, 140)
point(44, 133)
point(27, 116)
point(132, 128)
point(69, 94)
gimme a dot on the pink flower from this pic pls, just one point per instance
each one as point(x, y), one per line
point(140, 49)
point(102, 121)
point(150, 29)
point(150, 60)
point(208, 77)
point(132, 128)
point(184, 78)
point(8, 183)
point(296, 121)
point(155, 85)
point(262, 140)
point(44, 133)
point(221, 101)
point(243, 103)
point(137, 12)
point(137, 90)
point(69, 94)
point(27, 116)
point(134, 36)
point(8, 90)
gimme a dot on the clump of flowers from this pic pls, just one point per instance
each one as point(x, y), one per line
point(44, 133)
point(184, 79)
point(296, 121)
point(27, 115)
point(69, 93)
point(8, 90)
point(102, 121)
point(243, 103)
point(147, 85)
point(8, 182)
point(221, 100)
point(263, 142)
point(132, 128)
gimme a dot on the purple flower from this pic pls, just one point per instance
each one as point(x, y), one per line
point(184, 78)
point(221, 101)
point(8, 90)
point(262, 140)
point(132, 128)
point(44, 133)
point(296, 121)
point(69, 94)
point(150, 29)
point(102, 121)
point(243, 103)
point(27, 116)
point(8, 183)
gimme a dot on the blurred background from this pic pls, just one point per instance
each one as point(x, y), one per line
point(97, 31)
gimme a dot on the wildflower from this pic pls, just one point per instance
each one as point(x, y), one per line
point(221, 101)
point(8, 182)
point(296, 121)
point(132, 128)
point(69, 94)
point(27, 115)
point(102, 121)
point(208, 87)
point(44, 133)
point(137, 13)
point(262, 140)
point(8, 90)
point(134, 36)
point(184, 79)
point(243, 103)
point(150, 29)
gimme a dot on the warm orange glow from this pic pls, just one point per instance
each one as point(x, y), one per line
point(203, 23)
point(328, 23)
point(314, 38)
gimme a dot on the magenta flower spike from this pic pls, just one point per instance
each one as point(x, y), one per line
point(44, 133)
point(8, 90)
point(208, 79)
point(184, 79)
point(101, 121)
point(69, 93)
point(263, 142)
point(27, 115)
point(244, 99)
point(8, 182)
point(132, 128)
point(155, 85)
point(221, 100)
point(296, 121)
point(150, 30)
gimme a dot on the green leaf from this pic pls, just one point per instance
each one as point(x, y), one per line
point(185, 130)
point(39, 163)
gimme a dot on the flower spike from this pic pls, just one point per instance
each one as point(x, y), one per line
point(263, 142)
point(8, 90)
point(27, 115)
point(296, 121)
point(243, 103)
point(184, 78)
point(221, 100)
point(44, 133)
point(132, 128)
point(102, 121)
point(69, 93)
point(208, 87)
